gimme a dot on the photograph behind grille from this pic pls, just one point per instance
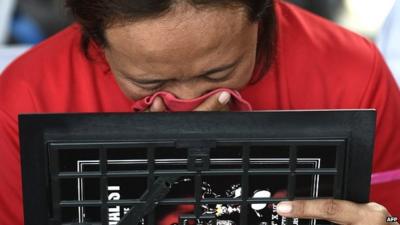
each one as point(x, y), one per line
point(232, 178)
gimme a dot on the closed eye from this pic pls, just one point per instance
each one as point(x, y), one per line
point(151, 86)
point(220, 76)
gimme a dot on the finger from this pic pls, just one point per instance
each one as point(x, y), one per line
point(158, 105)
point(217, 102)
point(337, 211)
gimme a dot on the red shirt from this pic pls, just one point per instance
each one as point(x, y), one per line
point(318, 66)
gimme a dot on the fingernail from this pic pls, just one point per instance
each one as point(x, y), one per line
point(224, 98)
point(284, 207)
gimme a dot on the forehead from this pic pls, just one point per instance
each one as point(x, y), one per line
point(183, 28)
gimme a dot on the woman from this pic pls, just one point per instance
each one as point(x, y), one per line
point(277, 55)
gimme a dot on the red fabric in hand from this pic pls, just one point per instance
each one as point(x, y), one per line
point(173, 104)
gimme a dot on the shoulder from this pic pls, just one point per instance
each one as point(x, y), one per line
point(47, 56)
point(319, 58)
point(302, 33)
point(44, 72)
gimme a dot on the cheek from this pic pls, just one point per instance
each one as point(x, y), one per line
point(242, 75)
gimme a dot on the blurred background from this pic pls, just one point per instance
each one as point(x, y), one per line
point(24, 23)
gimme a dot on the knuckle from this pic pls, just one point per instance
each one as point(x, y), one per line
point(331, 208)
point(377, 209)
point(299, 207)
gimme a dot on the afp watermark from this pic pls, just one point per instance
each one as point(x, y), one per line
point(391, 219)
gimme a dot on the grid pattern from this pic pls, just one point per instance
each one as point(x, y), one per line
point(197, 161)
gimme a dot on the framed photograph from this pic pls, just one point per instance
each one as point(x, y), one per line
point(191, 168)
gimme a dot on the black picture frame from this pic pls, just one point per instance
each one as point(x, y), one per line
point(351, 131)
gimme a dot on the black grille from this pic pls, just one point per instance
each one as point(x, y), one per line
point(96, 183)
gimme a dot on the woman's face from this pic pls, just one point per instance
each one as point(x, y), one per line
point(187, 52)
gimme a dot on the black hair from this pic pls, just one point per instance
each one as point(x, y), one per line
point(96, 15)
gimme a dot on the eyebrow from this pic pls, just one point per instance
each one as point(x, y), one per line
point(208, 72)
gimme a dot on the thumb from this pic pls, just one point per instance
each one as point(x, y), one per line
point(217, 102)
